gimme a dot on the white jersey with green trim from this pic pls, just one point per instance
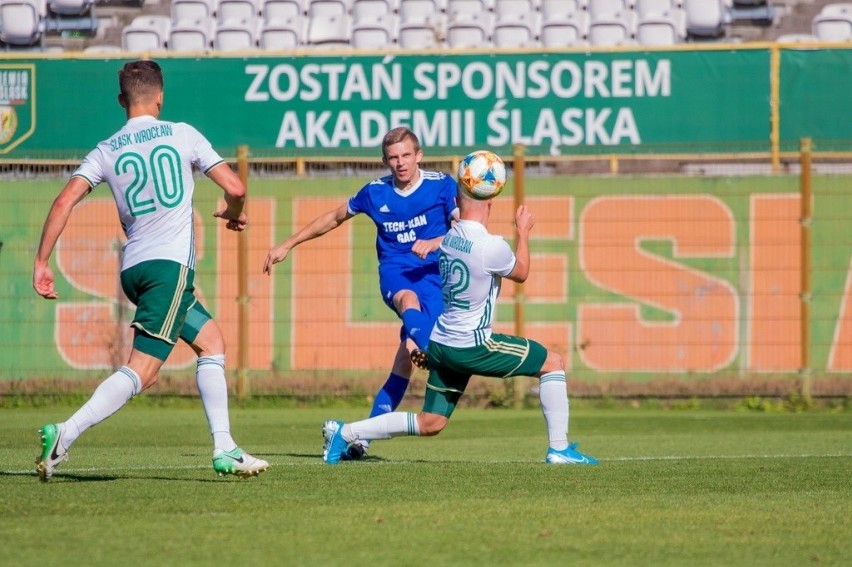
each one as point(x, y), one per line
point(148, 166)
point(473, 263)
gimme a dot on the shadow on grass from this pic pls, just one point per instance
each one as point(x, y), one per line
point(63, 477)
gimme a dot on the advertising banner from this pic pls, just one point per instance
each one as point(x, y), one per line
point(554, 103)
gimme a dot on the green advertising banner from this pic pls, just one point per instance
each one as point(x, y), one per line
point(815, 87)
point(554, 103)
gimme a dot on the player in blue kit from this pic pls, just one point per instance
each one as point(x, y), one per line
point(412, 210)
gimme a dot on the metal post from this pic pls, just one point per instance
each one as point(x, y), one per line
point(775, 107)
point(518, 162)
point(805, 244)
point(242, 288)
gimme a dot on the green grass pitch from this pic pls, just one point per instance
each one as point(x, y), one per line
point(675, 487)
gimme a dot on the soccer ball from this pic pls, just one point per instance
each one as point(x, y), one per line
point(482, 174)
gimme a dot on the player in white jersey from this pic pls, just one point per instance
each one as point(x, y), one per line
point(412, 210)
point(148, 166)
point(473, 263)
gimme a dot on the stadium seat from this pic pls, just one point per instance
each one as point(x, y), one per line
point(146, 33)
point(235, 35)
point(22, 21)
point(504, 8)
point(421, 34)
point(329, 31)
point(70, 7)
point(194, 35)
point(192, 10)
point(469, 31)
point(615, 29)
point(282, 9)
point(837, 8)
point(567, 31)
point(376, 32)
point(647, 8)
point(705, 18)
point(238, 10)
point(282, 34)
point(660, 29)
point(464, 8)
point(833, 23)
point(367, 9)
point(601, 8)
point(561, 8)
point(327, 8)
point(419, 10)
point(511, 31)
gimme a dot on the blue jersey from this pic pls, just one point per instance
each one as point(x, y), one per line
point(421, 213)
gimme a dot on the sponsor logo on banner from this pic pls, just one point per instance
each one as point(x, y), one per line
point(17, 104)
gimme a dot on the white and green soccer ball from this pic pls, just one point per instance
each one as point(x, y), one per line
point(482, 174)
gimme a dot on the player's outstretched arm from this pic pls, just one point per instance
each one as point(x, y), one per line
point(523, 223)
point(235, 196)
point(54, 224)
point(317, 227)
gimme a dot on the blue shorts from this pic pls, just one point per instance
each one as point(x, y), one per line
point(424, 280)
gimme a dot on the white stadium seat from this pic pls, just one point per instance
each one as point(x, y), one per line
point(515, 31)
point(647, 8)
point(282, 9)
point(564, 32)
point(705, 18)
point(366, 9)
point(463, 8)
point(235, 35)
point(329, 31)
point(282, 34)
point(419, 10)
point(561, 8)
point(146, 33)
point(377, 32)
point(192, 10)
point(421, 34)
point(600, 8)
point(327, 8)
point(23, 21)
point(833, 23)
point(504, 8)
point(610, 30)
point(836, 8)
point(238, 10)
point(192, 36)
point(470, 31)
point(660, 30)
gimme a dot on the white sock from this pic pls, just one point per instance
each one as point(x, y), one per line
point(213, 389)
point(553, 393)
point(385, 426)
point(109, 397)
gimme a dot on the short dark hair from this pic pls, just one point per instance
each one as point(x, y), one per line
point(140, 80)
point(397, 135)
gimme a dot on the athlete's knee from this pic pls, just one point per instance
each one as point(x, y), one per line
point(431, 423)
point(402, 361)
point(553, 362)
point(209, 340)
point(405, 299)
point(146, 366)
